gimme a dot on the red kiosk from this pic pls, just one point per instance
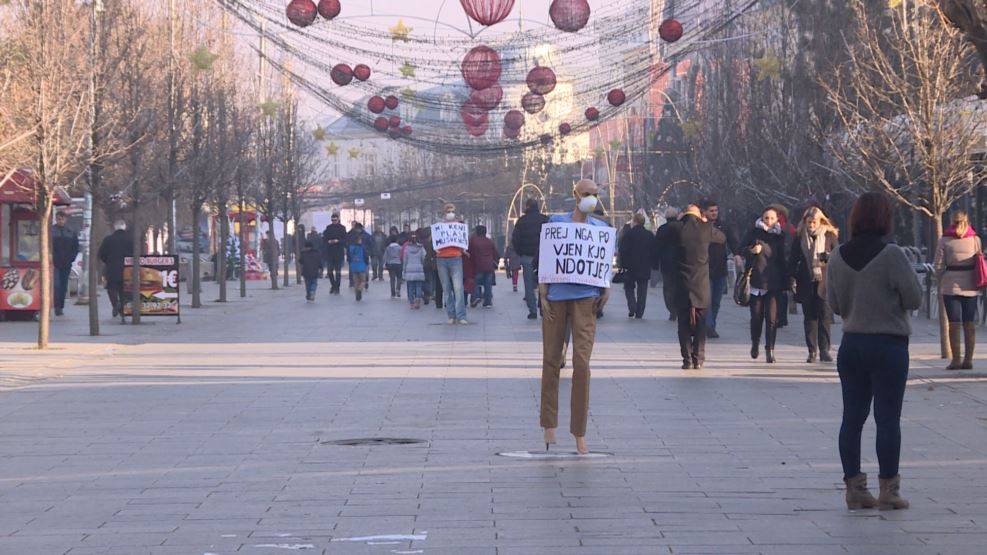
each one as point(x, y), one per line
point(20, 243)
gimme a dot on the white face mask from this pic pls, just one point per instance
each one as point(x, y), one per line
point(587, 204)
point(450, 216)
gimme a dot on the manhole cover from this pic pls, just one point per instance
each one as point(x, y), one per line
point(375, 441)
point(554, 455)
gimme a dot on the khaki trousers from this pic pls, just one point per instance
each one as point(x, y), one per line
point(581, 315)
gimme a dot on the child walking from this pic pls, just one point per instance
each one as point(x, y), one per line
point(311, 261)
point(413, 269)
point(359, 260)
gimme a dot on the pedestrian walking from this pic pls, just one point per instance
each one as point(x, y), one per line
point(765, 247)
point(311, 262)
point(485, 259)
point(815, 240)
point(788, 232)
point(718, 255)
point(334, 239)
point(636, 251)
point(316, 240)
point(359, 260)
point(449, 263)
point(870, 283)
point(955, 267)
point(512, 265)
point(392, 261)
point(666, 261)
point(433, 285)
point(577, 305)
point(525, 238)
point(112, 252)
point(271, 251)
point(693, 235)
point(413, 269)
point(64, 249)
point(380, 243)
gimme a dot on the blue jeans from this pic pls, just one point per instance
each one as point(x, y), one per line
point(61, 285)
point(530, 283)
point(416, 290)
point(311, 284)
point(484, 286)
point(717, 286)
point(873, 368)
point(451, 276)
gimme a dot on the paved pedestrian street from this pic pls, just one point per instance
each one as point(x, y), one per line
point(213, 436)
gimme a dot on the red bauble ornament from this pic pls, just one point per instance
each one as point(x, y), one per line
point(361, 72)
point(472, 114)
point(511, 133)
point(375, 104)
point(569, 15)
point(541, 80)
point(329, 8)
point(478, 130)
point(341, 74)
point(394, 133)
point(545, 139)
point(616, 97)
point(532, 102)
point(514, 119)
point(381, 124)
point(565, 129)
point(391, 102)
point(487, 12)
point(481, 67)
point(406, 130)
point(488, 98)
point(302, 12)
point(670, 30)
point(592, 114)
point(394, 121)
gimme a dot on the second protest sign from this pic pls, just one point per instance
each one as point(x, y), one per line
point(576, 253)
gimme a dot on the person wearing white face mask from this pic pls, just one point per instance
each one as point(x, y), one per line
point(449, 263)
point(576, 305)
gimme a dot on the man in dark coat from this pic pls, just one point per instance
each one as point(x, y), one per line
point(484, 258)
point(114, 248)
point(525, 239)
point(718, 254)
point(636, 249)
point(693, 235)
point(664, 259)
point(64, 249)
point(334, 239)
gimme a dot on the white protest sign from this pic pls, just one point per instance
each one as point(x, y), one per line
point(576, 253)
point(450, 234)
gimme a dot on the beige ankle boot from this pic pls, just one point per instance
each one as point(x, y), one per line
point(890, 496)
point(969, 343)
point(955, 330)
point(857, 494)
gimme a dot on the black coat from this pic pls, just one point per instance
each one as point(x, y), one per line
point(636, 249)
point(664, 256)
point(311, 261)
point(718, 252)
point(527, 233)
point(64, 246)
point(114, 248)
point(692, 238)
point(800, 269)
point(335, 232)
point(770, 271)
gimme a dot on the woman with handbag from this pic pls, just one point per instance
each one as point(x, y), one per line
point(957, 256)
point(765, 244)
point(815, 239)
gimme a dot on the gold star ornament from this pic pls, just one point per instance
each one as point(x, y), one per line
point(768, 66)
point(202, 59)
point(407, 70)
point(400, 31)
point(268, 108)
point(319, 134)
point(354, 153)
point(332, 149)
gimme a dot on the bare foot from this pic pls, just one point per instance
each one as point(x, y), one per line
point(549, 437)
point(581, 446)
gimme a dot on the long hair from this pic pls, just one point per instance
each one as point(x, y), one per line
point(812, 213)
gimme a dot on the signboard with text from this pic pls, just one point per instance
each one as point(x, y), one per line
point(158, 285)
point(450, 234)
point(576, 253)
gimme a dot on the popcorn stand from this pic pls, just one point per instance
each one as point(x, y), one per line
point(20, 244)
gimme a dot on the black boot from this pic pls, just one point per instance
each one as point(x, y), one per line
point(769, 355)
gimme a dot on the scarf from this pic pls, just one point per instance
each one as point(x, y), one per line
point(951, 232)
point(813, 245)
point(775, 229)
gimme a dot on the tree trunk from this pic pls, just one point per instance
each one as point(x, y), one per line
point(943, 319)
point(284, 227)
point(93, 274)
point(196, 215)
point(271, 241)
point(136, 303)
point(243, 252)
point(222, 251)
point(299, 239)
point(44, 314)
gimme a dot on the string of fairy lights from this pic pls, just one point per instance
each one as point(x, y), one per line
point(432, 85)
